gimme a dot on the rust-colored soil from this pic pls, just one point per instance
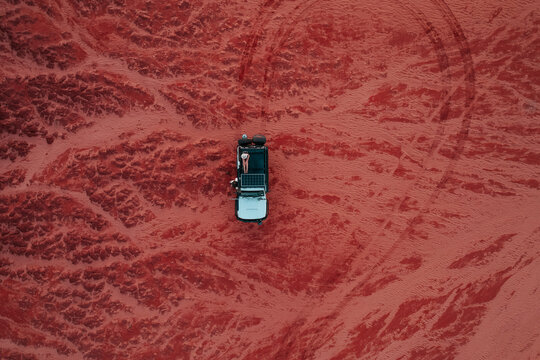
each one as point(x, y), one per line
point(404, 141)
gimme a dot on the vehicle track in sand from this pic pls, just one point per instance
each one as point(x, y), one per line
point(469, 79)
point(385, 245)
point(468, 66)
point(275, 45)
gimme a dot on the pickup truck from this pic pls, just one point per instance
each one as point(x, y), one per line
point(251, 187)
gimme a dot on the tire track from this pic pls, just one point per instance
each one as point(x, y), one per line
point(470, 86)
point(277, 44)
point(255, 40)
point(441, 117)
point(435, 39)
point(470, 94)
point(444, 66)
point(470, 83)
point(468, 65)
point(263, 17)
point(470, 89)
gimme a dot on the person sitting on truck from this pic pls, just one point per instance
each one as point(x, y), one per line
point(245, 161)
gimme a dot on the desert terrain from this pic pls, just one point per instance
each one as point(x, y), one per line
point(404, 151)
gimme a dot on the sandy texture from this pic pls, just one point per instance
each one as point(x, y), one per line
point(404, 143)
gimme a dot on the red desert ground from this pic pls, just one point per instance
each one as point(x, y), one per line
point(404, 152)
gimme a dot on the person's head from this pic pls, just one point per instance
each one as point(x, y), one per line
point(244, 155)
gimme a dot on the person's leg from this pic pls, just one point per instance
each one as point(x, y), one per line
point(244, 165)
point(247, 164)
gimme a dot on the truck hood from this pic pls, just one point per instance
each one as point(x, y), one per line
point(251, 208)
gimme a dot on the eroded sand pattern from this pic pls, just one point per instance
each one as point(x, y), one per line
point(404, 143)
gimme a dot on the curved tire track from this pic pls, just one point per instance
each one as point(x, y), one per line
point(470, 88)
point(437, 42)
point(468, 65)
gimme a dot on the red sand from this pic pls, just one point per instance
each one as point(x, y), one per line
point(404, 145)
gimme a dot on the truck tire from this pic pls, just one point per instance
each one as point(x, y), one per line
point(259, 140)
point(244, 142)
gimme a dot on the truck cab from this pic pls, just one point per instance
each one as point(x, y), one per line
point(251, 187)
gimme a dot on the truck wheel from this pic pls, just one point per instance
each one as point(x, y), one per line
point(244, 141)
point(259, 139)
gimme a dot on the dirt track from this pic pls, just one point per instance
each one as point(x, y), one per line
point(404, 143)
